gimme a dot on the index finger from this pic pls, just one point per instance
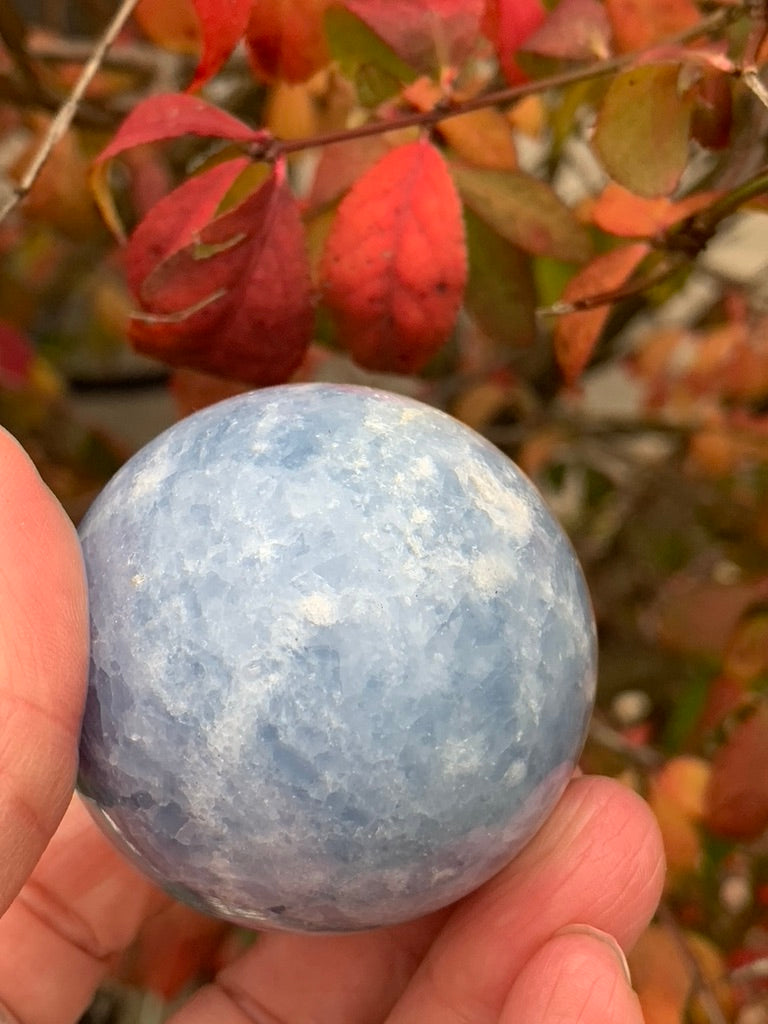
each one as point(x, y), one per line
point(43, 657)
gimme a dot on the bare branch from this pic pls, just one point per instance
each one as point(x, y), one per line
point(752, 81)
point(641, 756)
point(13, 32)
point(633, 287)
point(63, 119)
point(429, 118)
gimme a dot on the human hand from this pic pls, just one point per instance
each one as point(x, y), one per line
point(539, 943)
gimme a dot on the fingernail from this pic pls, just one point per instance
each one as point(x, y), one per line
point(600, 936)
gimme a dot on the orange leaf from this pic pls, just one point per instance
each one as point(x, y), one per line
point(682, 843)
point(395, 266)
point(482, 137)
point(660, 975)
point(683, 780)
point(236, 301)
point(677, 796)
point(286, 39)
point(576, 334)
point(637, 24)
point(171, 24)
point(60, 196)
point(737, 796)
point(620, 212)
point(663, 975)
point(223, 24)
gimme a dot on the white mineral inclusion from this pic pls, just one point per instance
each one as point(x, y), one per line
point(342, 661)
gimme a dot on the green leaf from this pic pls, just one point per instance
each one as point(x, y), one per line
point(551, 277)
point(501, 293)
point(525, 211)
point(364, 58)
point(687, 709)
point(643, 128)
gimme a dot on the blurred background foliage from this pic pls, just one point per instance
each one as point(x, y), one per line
point(655, 458)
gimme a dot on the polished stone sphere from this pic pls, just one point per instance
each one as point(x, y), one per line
point(342, 659)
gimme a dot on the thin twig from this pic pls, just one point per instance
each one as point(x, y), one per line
point(627, 291)
point(133, 56)
point(642, 756)
point(63, 119)
point(753, 82)
point(701, 986)
point(13, 32)
point(429, 118)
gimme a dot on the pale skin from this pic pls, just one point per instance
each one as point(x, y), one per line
point(540, 943)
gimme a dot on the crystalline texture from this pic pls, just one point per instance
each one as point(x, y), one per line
point(342, 659)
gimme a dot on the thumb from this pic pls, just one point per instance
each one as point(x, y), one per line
point(43, 657)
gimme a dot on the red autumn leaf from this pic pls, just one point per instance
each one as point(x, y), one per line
point(574, 30)
point(638, 24)
point(576, 334)
point(286, 39)
point(694, 614)
point(713, 109)
point(395, 265)
point(509, 24)
point(724, 695)
point(173, 222)
point(223, 24)
point(423, 32)
point(16, 358)
point(620, 212)
point(150, 178)
point(237, 300)
point(171, 115)
point(737, 796)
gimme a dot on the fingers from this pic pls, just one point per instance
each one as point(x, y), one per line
point(43, 652)
point(576, 977)
point(82, 905)
point(345, 979)
point(598, 860)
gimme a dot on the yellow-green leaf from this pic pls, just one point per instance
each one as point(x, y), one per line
point(525, 211)
point(375, 69)
point(501, 293)
point(643, 128)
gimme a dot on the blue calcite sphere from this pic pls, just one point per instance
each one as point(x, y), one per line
point(342, 662)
